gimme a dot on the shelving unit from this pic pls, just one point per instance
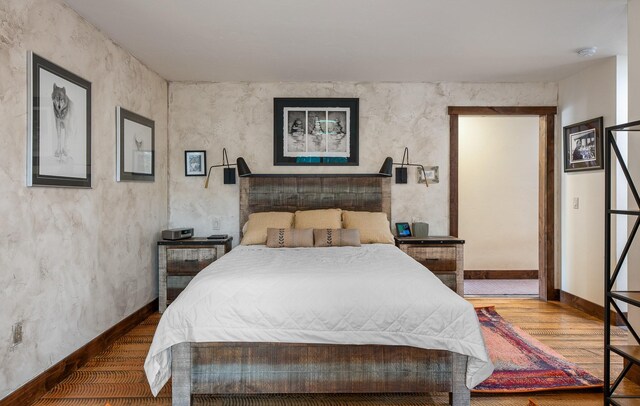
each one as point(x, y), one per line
point(631, 353)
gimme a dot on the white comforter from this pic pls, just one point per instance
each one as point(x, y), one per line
point(374, 294)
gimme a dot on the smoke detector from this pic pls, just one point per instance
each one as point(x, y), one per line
point(587, 51)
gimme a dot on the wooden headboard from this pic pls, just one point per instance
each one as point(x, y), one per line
point(260, 193)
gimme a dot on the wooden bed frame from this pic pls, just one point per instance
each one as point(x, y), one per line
point(254, 368)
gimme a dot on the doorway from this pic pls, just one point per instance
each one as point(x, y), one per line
point(498, 205)
point(546, 119)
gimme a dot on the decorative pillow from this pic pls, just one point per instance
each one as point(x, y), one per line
point(323, 218)
point(336, 237)
point(289, 237)
point(256, 232)
point(373, 227)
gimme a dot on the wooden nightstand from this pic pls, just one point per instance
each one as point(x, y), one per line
point(180, 260)
point(444, 256)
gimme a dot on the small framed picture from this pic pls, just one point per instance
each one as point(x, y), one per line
point(403, 229)
point(432, 175)
point(135, 144)
point(195, 163)
point(583, 146)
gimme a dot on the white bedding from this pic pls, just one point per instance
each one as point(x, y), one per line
point(374, 294)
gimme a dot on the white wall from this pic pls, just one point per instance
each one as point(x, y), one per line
point(239, 116)
point(73, 262)
point(498, 192)
point(633, 40)
point(633, 47)
point(588, 94)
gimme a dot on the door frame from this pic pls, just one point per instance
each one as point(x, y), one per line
point(546, 174)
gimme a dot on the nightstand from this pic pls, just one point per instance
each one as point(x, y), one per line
point(444, 256)
point(180, 260)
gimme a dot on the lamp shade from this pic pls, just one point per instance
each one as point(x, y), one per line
point(387, 165)
point(243, 168)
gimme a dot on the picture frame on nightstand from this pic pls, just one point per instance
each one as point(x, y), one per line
point(403, 230)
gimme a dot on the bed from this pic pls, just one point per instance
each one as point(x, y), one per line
point(317, 320)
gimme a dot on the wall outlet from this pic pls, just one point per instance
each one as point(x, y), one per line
point(576, 203)
point(215, 223)
point(16, 333)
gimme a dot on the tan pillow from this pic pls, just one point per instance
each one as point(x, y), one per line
point(323, 218)
point(258, 224)
point(373, 227)
point(289, 237)
point(336, 237)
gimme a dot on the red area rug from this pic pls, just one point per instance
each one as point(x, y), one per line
point(524, 364)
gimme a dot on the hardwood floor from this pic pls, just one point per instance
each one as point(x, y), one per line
point(116, 376)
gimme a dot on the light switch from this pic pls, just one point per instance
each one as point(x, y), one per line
point(576, 203)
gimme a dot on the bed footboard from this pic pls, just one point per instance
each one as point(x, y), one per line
point(251, 368)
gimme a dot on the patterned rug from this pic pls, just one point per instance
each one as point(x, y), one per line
point(524, 364)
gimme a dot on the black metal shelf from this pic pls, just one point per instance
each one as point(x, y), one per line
point(630, 353)
point(626, 212)
point(623, 401)
point(632, 298)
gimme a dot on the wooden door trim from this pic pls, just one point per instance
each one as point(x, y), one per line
point(546, 191)
point(502, 110)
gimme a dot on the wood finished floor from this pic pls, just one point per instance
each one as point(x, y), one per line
point(116, 376)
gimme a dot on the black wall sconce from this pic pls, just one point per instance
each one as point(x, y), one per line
point(401, 172)
point(229, 172)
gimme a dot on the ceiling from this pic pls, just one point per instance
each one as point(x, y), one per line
point(362, 40)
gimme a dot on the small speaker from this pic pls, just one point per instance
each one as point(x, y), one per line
point(421, 230)
point(401, 175)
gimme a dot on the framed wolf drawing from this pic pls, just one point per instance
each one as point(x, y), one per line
point(59, 126)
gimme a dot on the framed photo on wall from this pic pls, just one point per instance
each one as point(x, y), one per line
point(583, 146)
point(315, 131)
point(135, 144)
point(59, 126)
point(432, 174)
point(195, 163)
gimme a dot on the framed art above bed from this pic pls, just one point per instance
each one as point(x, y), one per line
point(315, 131)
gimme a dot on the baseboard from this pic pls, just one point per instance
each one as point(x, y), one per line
point(41, 384)
point(590, 308)
point(501, 274)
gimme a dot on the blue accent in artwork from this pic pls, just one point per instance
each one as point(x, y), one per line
point(308, 160)
point(335, 160)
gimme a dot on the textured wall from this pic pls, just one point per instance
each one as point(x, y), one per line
point(239, 116)
point(73, 262)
